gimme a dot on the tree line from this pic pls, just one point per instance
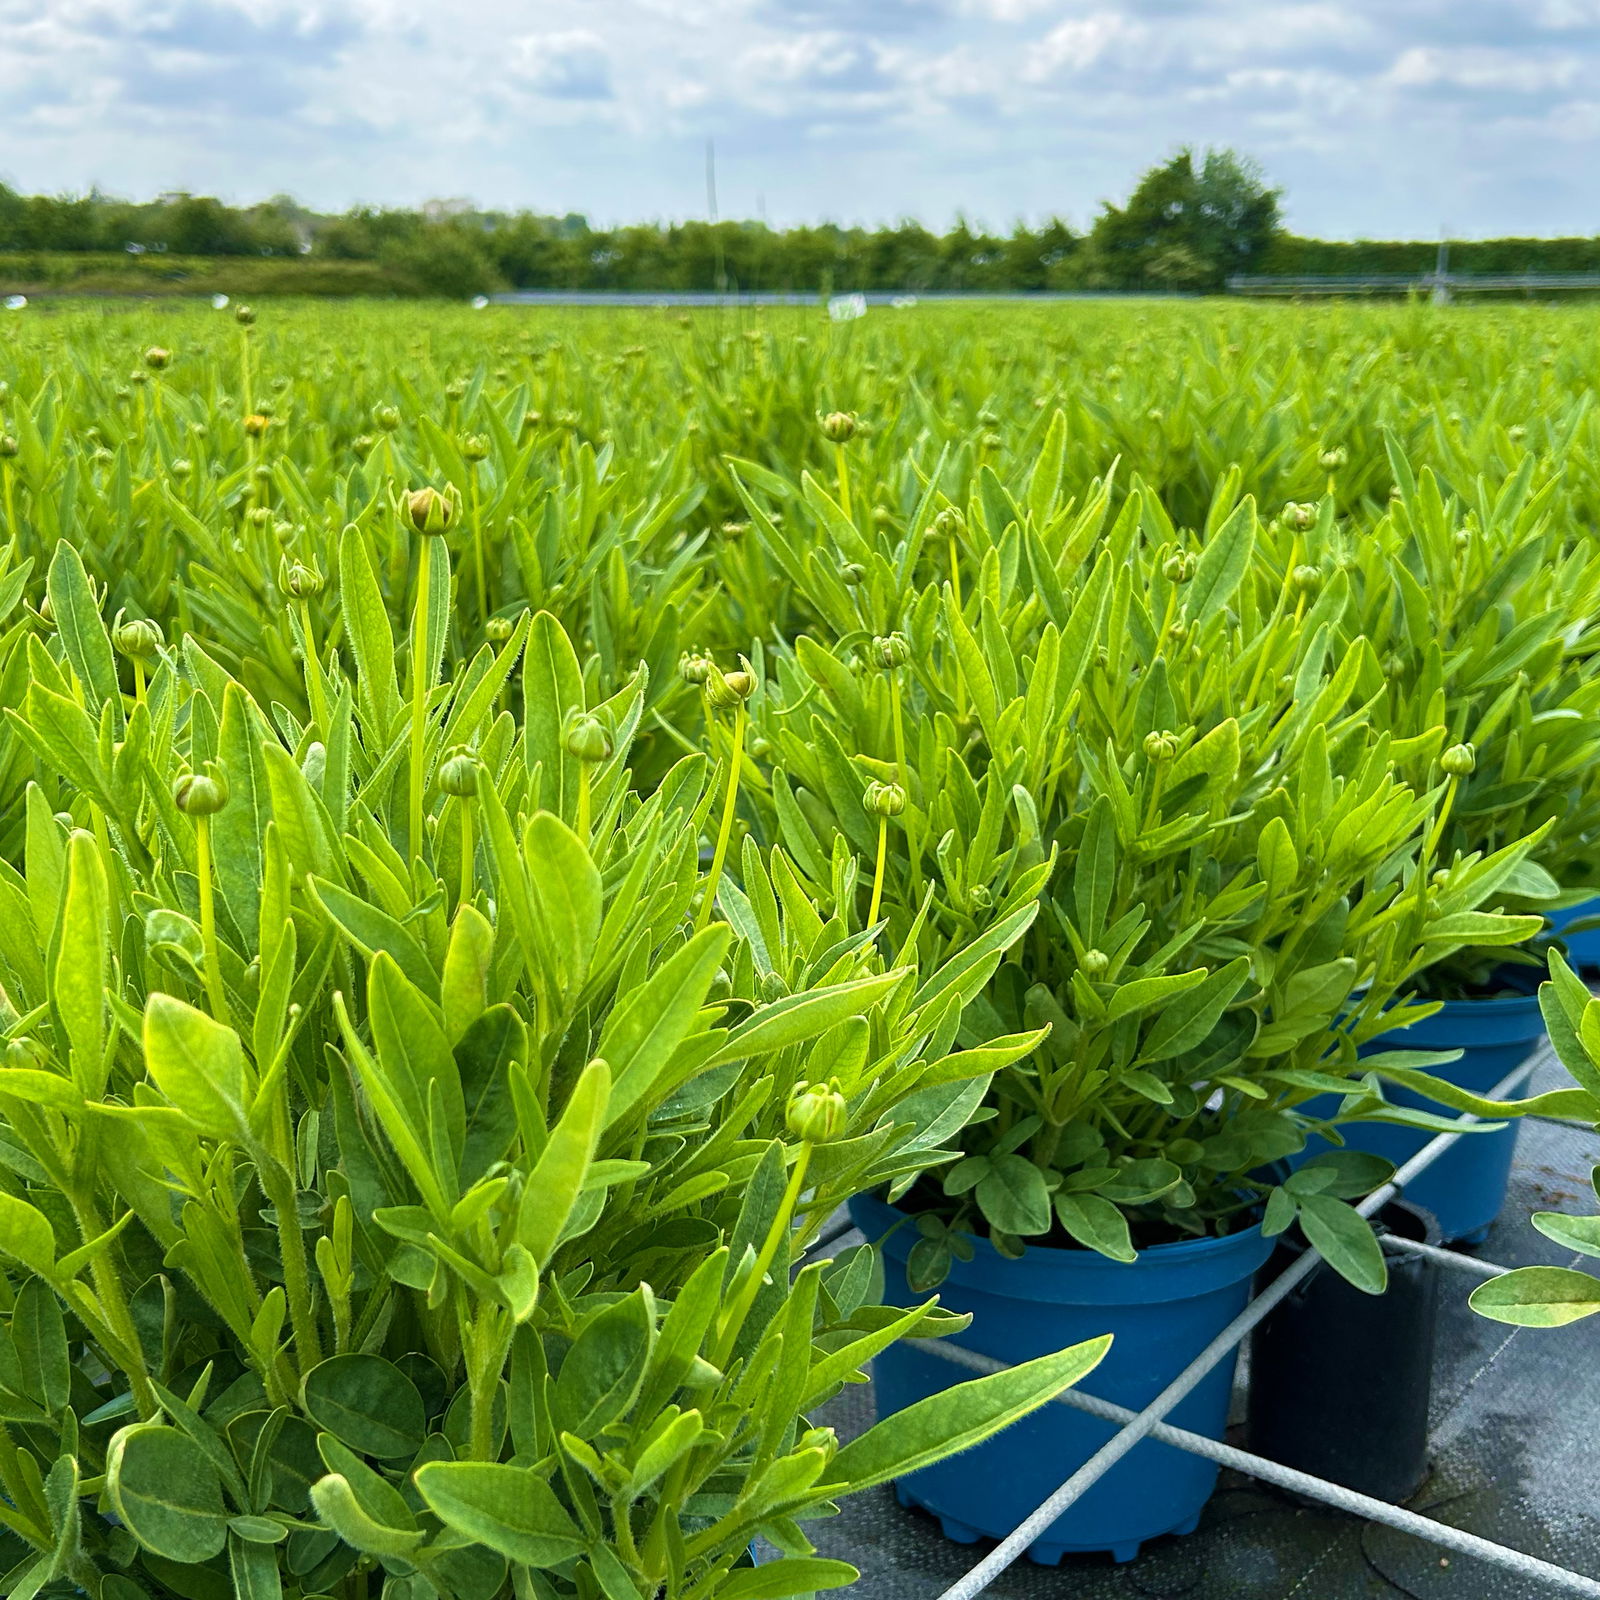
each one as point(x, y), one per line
point(1188, 223)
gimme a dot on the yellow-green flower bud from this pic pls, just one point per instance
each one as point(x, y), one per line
point(428, 511)
point(138, 639)
point(587, 739)
point(244, 316)
point(455, 389)
point(891, 652)
point(949, 522)
point(181, 467)
point(1300, 514)
point(156, 358)
point(498, 629)
point(1160, 746)
point(458, 773)
point(693, 667)
point(1459, 760)
point(818, 1113)
point(8, 445)
point(299, 581)
point(1306, 579)
point(853, 573)
point(1332, 460)
point(884, 799)
point(474, 447)
point(386, 417)
point(838, 427)
point(1095, 962)
point(201, 794)
point(725, 690)
point(257, 424)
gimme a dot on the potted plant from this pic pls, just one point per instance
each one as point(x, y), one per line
point(1113, 725)
point(424, 1208)
point(1476, 618)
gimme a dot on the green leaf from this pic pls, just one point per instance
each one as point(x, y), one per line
point(798, 1017)
point(789, 1575)
point(167, 1493)
point(1574, 1233)
point(959, 1417)
point(1095, 1222)
point(552, 1188)
point(1223, 564)
point(1345, 1241)
point(78, 979)
point(336, 1504)
point(82, 631)
point(1013, 1196)
point(602, 1373)
point(484, 1056)
point(366, 1403)
point(199, 1065)
point(26, 1235)
point(1538, 1297)
point(507, 1508)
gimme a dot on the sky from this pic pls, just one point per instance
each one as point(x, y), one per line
point(1377, 118)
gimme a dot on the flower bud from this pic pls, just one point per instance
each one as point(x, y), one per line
point(884, 799)
point(1516, 432)
point(1095, 962)
point(257, 424)
point(244, 316)
point(891, 652)
point(587, 739)
point(725, 690)
point(455, 389)
point(386, 417)
point(1160, 746)
point(853, 573)
point(949, 523)
point(693, 667)
point(838, 427)
point(1332, 460)
point(474, 447)
point(156, 358)
point(8, 445)
point(1306, 580)
point(201, 794)
point(458, 773)
point(1459, 760)
point(817, 1113)
point(498, 629)
point(428, 510)
point(980, 897)
point(259, 516)
point(139, 639)
point(1300, 514)
point(1178, 568)
point(181, 467)
point(299, 581)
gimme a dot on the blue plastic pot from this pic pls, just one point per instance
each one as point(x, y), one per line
point(1466, 1186)
point(1163, 1309)
point(1583, 949)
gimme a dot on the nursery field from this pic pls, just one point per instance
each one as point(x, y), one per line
point(511, 819)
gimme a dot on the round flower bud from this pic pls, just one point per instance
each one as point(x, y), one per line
point(386, 417)
point(882, 516)
point(884, 799)
point(1175, 569)
point(201, 794)
point(1300, 514)
point(1332, 460)
point(428, 510)
point(260, 516)
point(1516, 432)
point(8, 445)
point(138, 375)
point(455, 389)
point(980, 898)
point(587, 739)
point(1095, 962)
point(181, 467)
point(817, 1113)
point(257, 424)
point(1160, 746)
point(244, 316)
point(458, 773)
point(838, 427)
point(891, 652)
point(299, 581)
point(156, 358)
point(1459, 760)
point(498, 629)
point(693, 667)
point(949, 522)
point(725, 690)
point(853, 573)
point(138, 639)
point(1307, 580)
point(362, 444)
point(474, 447)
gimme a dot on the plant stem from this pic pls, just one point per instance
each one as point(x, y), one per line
point(733, 1317)
point(211, 951)
point(877, 876)
point(477, 545)
point(725, 832)
point(419, 694)
point(314, 682)
point(467, 863)
point(279, 1184)
point(138, 681)
point(583, 801)
point(844, 482)
point(955, 571)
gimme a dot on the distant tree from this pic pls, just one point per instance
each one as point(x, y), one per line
point(1189, 222)
point(442, 260)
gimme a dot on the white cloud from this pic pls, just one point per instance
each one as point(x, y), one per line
point(1424, 66)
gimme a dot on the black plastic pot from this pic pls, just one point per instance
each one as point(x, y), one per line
point(1340, 1381)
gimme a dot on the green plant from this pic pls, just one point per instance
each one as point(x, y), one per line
point(1158, 743)
point(426, 1211)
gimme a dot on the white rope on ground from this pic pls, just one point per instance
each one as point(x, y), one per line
point(978, 1578)
point(1333, 1494)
